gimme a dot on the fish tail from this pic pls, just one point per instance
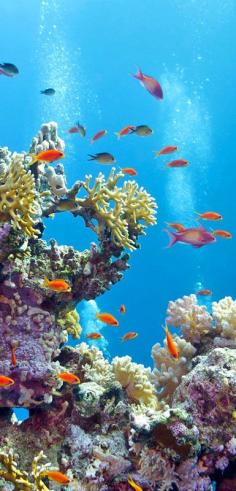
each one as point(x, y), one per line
point(139, 74)
point(92, 157)
point(34, 158)
point(198, 215)
point(46, 282)
point(173, 238)
point(117, 134)
point(132, 130)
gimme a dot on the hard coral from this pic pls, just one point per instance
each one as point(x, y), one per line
point(224, 316)
point(18, 198)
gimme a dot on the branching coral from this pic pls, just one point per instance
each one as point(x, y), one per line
point(194, 320)
point(19, 478)
point(18, 197)
point(136, 379)
point(224, 316)
point(168, 372)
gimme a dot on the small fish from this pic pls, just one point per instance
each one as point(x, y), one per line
point(94, 335)
point(107, 319)
point(224, 234)
point(171, 344)
point(81, 129)
point(124, 131)
point(197, 237)
point(122, 309)
point(49, 91)
point(130, 171)
point(204, 293)
point(13, 355)
point(57, 476)
point(150, 84)
point(57, 285)
point(68, 377)
point(166, 150)
point(47, 156)
point(8, 69)
point(6, 381)
point(74, 129)
point(133, 484)
point(103, 158)
point(66, 205)
point(178, 163)
point(98, 135)
point(177, 226)
point(209, 215)
point(129, 335)
point(142, 130)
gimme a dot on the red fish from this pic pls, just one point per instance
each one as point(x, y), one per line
point(107, 319)
point(224, 234)
point(129, 335)
point(171, 345)
point(57, 476)
point(177, 226)
point(47, 156)
point(204, 293)
point(197, 237)
point(178, 163)
point(94, 335)
point(74, 129)
point(68, 377)
point(124, 131)
point(130, 171)
point(166, 150)
point(122, 309)
point(210, 215)
point(6, 381)
point(13, 356)
point(150, 84)
point(98, 135)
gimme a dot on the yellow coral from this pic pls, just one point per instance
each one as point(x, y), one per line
point(18, 197)
point(120, 209)
point(20, 478)
point(136, 380)
point(70, 322)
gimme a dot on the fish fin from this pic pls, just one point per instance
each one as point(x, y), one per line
point(42, 91)
point(34, 158)
point(45, 281)
point(198, 215)
point(138, 75)
point(196, 246)
point(157, 154)
point(117, 134)
point(92, 157)
point(173, 237)
point(132, 130)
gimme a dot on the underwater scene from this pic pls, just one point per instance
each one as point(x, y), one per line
point(117, 245)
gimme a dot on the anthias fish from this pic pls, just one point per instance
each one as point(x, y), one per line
point(178, 163)
point(49, 91)
point(57, 476)
point(107, 318)
point(122, 309)
point(57, 285)
point(197, 237)
point(13, 356)
point(224, 234)
point(103, 158)
point(68, 377)
point(8, 69)
point(133, 484)
point(47, 156)
point(204, 293)
point(166, 150)
point(124, 131)
point(94, 335)
point(6, 381)
point(209, 215)
point(177, 226)
point(98, 135)
point(129, 335)
point(171, 344)
point(130, 171)
point(74, 129)
point(142, 130)
point(150, 84)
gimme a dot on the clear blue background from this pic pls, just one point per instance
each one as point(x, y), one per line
point(86, 50)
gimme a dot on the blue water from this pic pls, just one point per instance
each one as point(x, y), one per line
point(86, 50)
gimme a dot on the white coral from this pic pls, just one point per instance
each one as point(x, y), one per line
point(224, 315)
point(193, 319)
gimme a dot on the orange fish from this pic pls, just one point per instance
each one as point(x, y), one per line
point(47, 156)
point(13, 356)
point(204, 292)
point(68, 377)
point(222, 233)
point(177, 226)
point(171, 345)
point(6, 381)
point(166, 150)
point(57, 476)
point(122, 309)
point(129, 335)
point(133, 484)
point(57, 285)
point(125, 131)
point(209, 215)
point(94, 335)
point(107, 319)
point(178, 163)
point(130, 171)
point(98, 135)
